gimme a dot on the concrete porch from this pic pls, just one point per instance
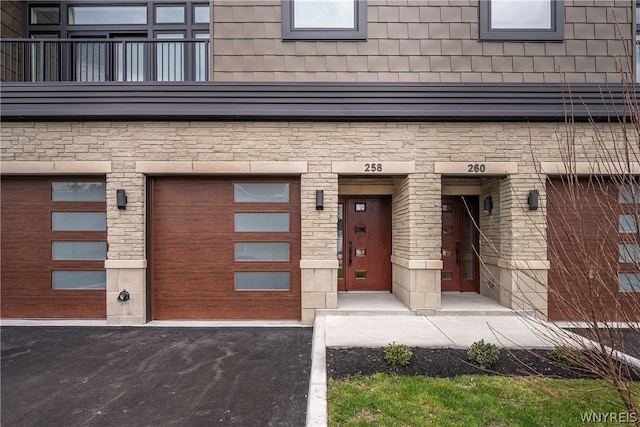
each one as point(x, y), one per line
point(385, 303)
point(470, 304)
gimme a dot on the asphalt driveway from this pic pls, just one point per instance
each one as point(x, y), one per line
point(113, 376)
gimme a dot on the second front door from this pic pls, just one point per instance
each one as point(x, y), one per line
point(460, 244)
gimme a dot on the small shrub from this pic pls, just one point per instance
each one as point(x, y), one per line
point(567, 356)
point(484, 354)
point(397, 354)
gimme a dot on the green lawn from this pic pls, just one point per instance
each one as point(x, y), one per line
point(384, 400)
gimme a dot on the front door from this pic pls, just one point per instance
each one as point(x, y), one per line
point(460, 244)
point(364, 243)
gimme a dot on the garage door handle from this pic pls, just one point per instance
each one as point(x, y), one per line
point(350, 250)
point(457, 253)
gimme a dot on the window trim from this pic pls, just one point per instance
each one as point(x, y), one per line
point(556, 33)
point(324, 34)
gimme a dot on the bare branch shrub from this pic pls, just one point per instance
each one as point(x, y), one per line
point(592, 230)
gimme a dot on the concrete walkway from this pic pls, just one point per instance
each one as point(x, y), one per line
point(435, 331)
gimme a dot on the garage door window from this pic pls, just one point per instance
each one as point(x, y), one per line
point(85, 221)
point(628, 247)
point(78, 192)
point(629, 282)
point(78, 234)
point(271, 192)
point(262, 203)
point(261, 251)
point(262, 280)
point(79, 279)
point(79, 250)
point(628, 223)
point(261, 222)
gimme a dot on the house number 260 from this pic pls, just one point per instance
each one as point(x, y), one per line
point(373, 167)
point(475, 168)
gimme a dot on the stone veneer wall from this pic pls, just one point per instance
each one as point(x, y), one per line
point(419, 41)
point(416, 196)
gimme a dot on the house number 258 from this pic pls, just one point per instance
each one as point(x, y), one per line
point(373, 167)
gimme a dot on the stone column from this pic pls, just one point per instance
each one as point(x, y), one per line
point(416, 259)
point(126, 262)
point(319, 264)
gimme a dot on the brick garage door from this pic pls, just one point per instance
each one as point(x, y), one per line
point(53, 247)
point(224, 248)
point(588, 221)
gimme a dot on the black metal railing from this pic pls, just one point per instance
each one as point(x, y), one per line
point(104, 60)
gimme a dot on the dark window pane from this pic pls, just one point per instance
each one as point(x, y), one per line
point(45, 15)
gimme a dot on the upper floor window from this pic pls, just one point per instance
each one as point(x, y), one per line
point(525, 20)
point(117, 41)
point(324, 19)
point(107, 15)
point(170, 15)
point(44, 15)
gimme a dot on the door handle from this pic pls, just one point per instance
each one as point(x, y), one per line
point(350, 251)
point(457, 252)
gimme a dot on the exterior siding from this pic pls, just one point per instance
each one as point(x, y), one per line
point(11, 27)
point(417, 41)
point(11, 19)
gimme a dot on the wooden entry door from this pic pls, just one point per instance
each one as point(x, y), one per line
point(460, 244)
point(366, 244)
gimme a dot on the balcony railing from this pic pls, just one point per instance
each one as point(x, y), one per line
point(104, 60)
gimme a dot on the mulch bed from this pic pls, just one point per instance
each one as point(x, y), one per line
point(446, 362)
